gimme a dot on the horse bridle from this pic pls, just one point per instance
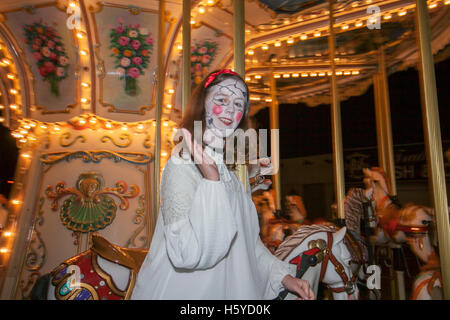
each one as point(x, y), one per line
point(325, 255)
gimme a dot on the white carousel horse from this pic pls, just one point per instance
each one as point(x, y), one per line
point(334, 266)
point(414, 226)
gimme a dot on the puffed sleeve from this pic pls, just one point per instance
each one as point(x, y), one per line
point(199, 225)
point(275, 268)
point(271, 266)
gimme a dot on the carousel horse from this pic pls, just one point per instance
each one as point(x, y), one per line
point(273, 230)
point(387, 206)
point(296, 209)
point(333, 260)
point(106, 272)
point(416, 227)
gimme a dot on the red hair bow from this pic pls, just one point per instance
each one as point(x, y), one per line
point(215, 74)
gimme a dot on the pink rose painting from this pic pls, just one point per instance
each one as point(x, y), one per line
point(48, 51)
point(202, 54)
point(131, 50)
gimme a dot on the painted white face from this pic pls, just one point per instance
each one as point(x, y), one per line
point(225, 106)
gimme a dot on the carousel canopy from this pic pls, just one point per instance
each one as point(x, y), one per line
point(60, 59)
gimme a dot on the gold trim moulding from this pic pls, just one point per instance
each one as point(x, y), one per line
point(97, 156)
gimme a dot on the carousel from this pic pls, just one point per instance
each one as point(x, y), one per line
point(92, 92)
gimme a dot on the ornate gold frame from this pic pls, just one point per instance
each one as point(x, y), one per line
point(135, 11)
point(29, 78)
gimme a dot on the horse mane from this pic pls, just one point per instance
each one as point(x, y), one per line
point(353, 209)
point(294, 240)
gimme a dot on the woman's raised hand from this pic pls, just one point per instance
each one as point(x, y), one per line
point(205, 163)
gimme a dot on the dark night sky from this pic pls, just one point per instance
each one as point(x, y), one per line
point(306, 131)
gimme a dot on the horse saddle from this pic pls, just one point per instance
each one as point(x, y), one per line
point(128, 257)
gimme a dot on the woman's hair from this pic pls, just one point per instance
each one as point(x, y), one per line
point(195, 110)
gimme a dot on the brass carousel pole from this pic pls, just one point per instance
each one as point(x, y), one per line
point(338, 161)
point(387, 144)
point(186, 90)
point(275, 140)
point(433, 141)
point(386, 160)
point(158, 109)
point(239, 63)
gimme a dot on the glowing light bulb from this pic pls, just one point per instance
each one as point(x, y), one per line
point(433, 5)
point(171, 91)
point(321, 74)
point(124, 127)
point(403, 13)
point(13, 106)
point(83, 52)
point(258, 76)
point(140, 126)
point(248, 78)
point(163, 154)
point(250, 52)
point(165, 124)
point(10, 76)
point(313, 74)
point(26, 155)
point(108, 125)
point(277, 76)
point(84, 100)
point(2, 119)
point(80, 35)
point(295, 75)
point(169, 106)
point(269, 100)
point(56, 128)
point(286, 75)
point(265, 47)
point(43, 126)
point(346, 73)
point(278, 44)
point(2, 107)
point(303, 37)
point(317, 34)
point(93, 120)
point(344, 27)
point(304, 75)
point(15, 202)
point(339, 73)
point(180, 47)
point(290, 40)
point(3, 250)
point(201, 10)
point(358, 24)
point(8, 234)
point(387, 16)
point(6, 61)
point(85, 85)
point(355, 72)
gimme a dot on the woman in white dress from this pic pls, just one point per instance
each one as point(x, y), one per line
point(206, 243)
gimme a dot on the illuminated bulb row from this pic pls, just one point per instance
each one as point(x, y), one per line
point(315, 74)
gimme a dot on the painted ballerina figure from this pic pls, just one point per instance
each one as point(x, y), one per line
point(206, 243)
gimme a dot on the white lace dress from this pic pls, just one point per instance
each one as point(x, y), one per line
point(206, 243)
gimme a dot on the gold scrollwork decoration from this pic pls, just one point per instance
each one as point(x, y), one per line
point(140, 219)
point(89, 207)
point(65, 137)
point(37, 252)
point(125, 140)
point(97, 156)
